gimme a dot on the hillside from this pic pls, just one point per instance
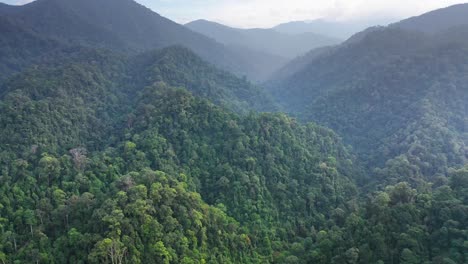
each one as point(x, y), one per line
point(114, 151)
point(180, 67)
point(81, 140)
point(437, 20)
point(126, 26)
point(265, 40)
point(99, 166)
point(397, 96)
point(21, 48)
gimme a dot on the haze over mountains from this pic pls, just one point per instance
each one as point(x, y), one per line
point(335, 29)
point(125, 25)
point(287, 45)
point(386, 85)
point(128, 138)
point(437, 20)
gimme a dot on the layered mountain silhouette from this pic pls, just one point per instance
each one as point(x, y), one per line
point(437, 20)
point(153, 157)
point(127, 138)
point(127, 26)
point(266, 40)
point(341, 30)
point(397, 94)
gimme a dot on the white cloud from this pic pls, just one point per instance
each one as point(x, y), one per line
point(16, 2)
point(265, 13)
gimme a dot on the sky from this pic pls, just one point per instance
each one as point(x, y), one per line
point(268, 13)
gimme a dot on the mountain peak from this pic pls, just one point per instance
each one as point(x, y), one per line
point(199, 21)
point(203, 24)
point(127, 26)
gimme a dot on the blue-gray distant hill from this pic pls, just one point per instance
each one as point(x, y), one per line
point(266, 40)
point(437, 20)
point(336, 29)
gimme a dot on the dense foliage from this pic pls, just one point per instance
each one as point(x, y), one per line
point(122, 173)
point(399, 98)
point(127, 27)
point(107, 156)
point(399, 225)
point(179, 67)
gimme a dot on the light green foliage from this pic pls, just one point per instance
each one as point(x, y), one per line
point(167, 178)
point(104, 161)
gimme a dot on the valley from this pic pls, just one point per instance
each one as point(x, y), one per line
point(126, 137)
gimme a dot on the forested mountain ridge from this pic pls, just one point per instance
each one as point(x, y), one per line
point(126, 154)
point(440, 26)
point(266, 40)
point(180, 67)
point(126, 26)
point(399, 97)
point(437, 20)
point(175, 65)
point(82, 140)
point(21, 48)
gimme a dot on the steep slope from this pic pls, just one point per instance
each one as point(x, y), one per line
point(99, 161)
point(266, 40)
point(298, 64)
point(448, 25)
point(265, 64)
point(74, 203)
point(176, 66)
point(103, 161)
point(21, 48)
point(387, 93)
point(338, 65)
point(437, 20)
point(179, 67)
point(125, 26)
point(5, 9)
point(68, 97)
point(100, 166)
point(219, 32)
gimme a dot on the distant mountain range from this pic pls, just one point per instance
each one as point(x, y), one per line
point(126, 26)
point(127, 138)
point(288, 45)
point(341, 30)
point(396, 93)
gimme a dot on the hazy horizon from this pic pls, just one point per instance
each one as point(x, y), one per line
point(269, 13)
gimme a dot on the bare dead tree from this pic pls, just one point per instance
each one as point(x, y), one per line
point(79, 157)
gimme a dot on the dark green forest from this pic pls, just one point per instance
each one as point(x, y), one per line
point(117, 147)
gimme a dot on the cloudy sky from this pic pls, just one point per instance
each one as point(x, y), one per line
point(267, 13)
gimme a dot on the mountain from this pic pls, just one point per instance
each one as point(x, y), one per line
point(125, 26)
point(396, 96)
point(22, 48)
point(105, 157)
point(113, 152)
point(437, 20)
point(265, 40)
point(4, 8)
point(340, 30)
point(179, 67)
